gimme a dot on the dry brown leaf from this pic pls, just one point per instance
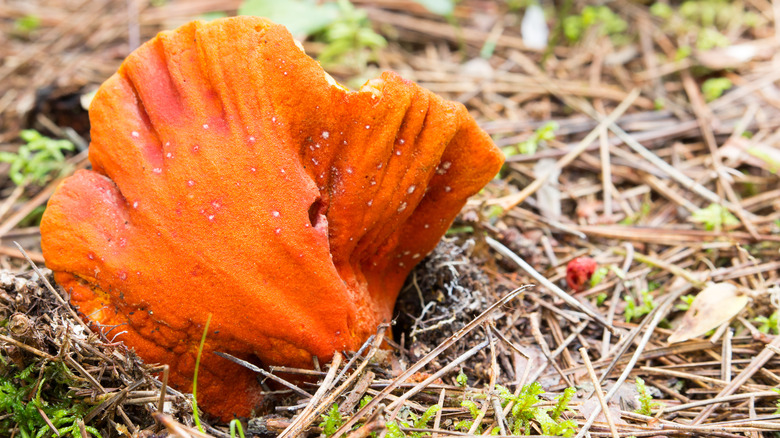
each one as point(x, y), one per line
point(713, 306)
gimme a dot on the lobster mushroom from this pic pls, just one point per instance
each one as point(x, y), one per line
point(232, 177)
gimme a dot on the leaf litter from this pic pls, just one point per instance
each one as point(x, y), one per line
point(639, 174)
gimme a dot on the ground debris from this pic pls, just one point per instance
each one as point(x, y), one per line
point(678, 191)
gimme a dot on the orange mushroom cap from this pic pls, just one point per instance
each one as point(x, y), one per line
point(232, 177)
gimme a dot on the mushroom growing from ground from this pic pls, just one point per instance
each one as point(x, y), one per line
point(232, 177)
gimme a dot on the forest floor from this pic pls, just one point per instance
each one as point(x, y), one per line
point(643, 136)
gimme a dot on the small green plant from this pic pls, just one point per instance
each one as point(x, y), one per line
point(772, 160)
point(526, 409)
point(40, 159)
point(346, 31)
point(412, 421)
point(705, 21)
point(602, 17)
point(646, 403)
point(465, 425)
point(598, 276)
point(529, 146)
point(634, 311)
point(713, 88)
point(714, 217)
point(27, 24)
point(462, 379)
point(687, 300)
point(662, 10)
point(710, 39)
point(331, 421)
point(350, 39)
point(600, 298)
point(22, 399)
point(236, 425)
point(769, 324)
point(195, 415)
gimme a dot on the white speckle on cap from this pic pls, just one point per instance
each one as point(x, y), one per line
point(135, 134)
point(411, 189)
point(135, 204)
point(402, 207)
point(157, 170)
point(205, 126)
point(325, 134)
point(275, 213)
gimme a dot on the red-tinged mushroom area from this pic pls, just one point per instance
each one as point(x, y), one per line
point(232, 177)
point(579, 271)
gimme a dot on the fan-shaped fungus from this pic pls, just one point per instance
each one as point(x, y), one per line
point(231, 176)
